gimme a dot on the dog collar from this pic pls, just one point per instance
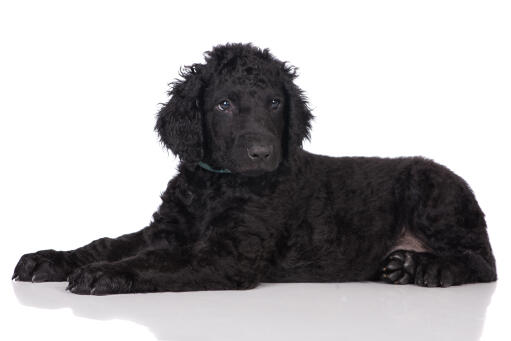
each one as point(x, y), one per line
point(211, 169)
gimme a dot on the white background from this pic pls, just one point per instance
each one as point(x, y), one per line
point(80, 84)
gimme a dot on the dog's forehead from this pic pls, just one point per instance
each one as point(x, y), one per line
point(245, 82)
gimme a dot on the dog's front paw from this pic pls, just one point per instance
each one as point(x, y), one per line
point(100, 279)
point(42, 266)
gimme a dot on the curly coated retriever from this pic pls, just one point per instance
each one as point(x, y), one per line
point(249, 205)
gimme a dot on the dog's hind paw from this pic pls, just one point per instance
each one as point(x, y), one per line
point(421, 268)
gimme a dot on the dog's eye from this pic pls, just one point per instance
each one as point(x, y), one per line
point(223, 105)
point(275, 103)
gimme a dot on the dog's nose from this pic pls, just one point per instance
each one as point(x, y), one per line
point(260, 152)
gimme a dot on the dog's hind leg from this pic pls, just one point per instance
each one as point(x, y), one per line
point(442, 213)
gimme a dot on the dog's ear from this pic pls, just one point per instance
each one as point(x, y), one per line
point(179, 122)
point(299, 116)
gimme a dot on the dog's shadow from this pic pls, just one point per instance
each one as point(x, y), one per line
point(351, 311)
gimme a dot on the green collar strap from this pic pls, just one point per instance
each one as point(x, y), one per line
point(211, 169)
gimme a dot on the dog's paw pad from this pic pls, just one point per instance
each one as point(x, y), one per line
point(398, 268)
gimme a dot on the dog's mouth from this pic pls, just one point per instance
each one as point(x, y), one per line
point(254, 172)
point(258, 171)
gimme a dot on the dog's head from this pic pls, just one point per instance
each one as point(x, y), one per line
point(239, 111)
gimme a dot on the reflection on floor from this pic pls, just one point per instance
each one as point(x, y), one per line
point(332, 311)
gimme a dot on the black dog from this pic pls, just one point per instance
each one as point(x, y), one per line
point(249, 205)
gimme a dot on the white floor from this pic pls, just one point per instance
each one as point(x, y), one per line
point(351, 311)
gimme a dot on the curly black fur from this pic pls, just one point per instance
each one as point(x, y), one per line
point(276, 213)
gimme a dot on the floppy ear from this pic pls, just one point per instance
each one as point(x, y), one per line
point(299, 115)
point(179, 122)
